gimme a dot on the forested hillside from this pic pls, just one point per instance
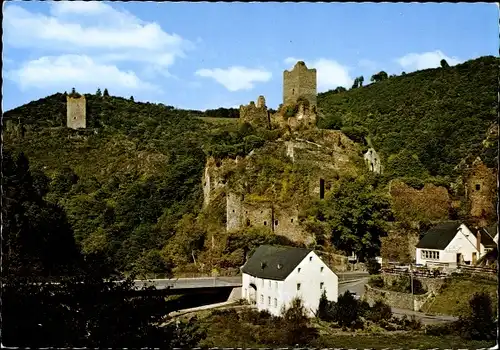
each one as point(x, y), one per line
point(127, 180)
point(130, 184)
point(440, 115)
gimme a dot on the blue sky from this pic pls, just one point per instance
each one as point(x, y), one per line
point(210, 55)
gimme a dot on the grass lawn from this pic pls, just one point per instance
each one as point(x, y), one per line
point(455, 296)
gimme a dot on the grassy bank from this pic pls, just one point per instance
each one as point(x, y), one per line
point(456, 293)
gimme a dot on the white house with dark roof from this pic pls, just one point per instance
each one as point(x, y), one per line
point(454, 243)
point(274, 276)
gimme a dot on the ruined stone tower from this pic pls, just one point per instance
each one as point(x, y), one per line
point(255, 114)
point(299, 82)
point(480, 192)
point(76, 112)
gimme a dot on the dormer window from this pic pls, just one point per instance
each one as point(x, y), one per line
point(280, 266)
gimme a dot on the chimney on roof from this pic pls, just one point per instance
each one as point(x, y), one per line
point(478, 240)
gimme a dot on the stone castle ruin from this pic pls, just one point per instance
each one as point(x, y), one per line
point(256, 114)
point(480, 192)
point(76, 111)
point(299, 92)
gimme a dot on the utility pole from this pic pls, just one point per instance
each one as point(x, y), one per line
point(411, 283)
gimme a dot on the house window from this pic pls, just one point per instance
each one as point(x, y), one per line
point(269, 284)
point(430, 255)
point(275, 302)
point(478, 187)
point(321, 269)
point(269, 301)
point(298, 269)
point(321, 188)
point(291, 220)
point(276, 285)
point(262, 283)
point(265, 223)
point(248, 222)
point(262, 299)
point(298, 286)
point(321, 285)
point(275, 222)
point(310, 258)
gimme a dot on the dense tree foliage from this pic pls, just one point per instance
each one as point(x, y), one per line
point(356, 216)
point(59, 299)
point(439, 115)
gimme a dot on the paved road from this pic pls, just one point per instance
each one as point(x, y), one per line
point(359, 288)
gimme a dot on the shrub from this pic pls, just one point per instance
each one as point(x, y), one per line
point(346, 310)
point(294, 324)
point(440, 329)
point(479, 324)
point(324, 308)
point(380, 312)
point(290, 111)
point(376, 282)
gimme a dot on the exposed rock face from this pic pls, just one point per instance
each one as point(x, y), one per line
point(372, 160)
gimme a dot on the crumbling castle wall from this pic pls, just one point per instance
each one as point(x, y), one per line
point(300, 82)
point(255, 114)
point(480, 190)
point(76, 112)
point(234, 211)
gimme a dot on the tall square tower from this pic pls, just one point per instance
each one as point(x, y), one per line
point(300, 82)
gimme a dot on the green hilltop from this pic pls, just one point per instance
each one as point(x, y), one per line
point(131, 182)
point(441, 115)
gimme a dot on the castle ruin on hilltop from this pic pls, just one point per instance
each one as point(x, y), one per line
point(76, 111)
point(299, 103)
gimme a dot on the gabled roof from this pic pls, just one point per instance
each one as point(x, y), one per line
point(439, 236)
point(275, 263)
point(492, 230)
point(487, 235)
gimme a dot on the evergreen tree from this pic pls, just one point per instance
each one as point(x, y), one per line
point(98, 92)
point(106, 93)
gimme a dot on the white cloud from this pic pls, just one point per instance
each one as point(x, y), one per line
point(236, 78)
point(108, 35)
point(415, 61)
point(74, 70)
point(330, 73)
point(107, 28)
